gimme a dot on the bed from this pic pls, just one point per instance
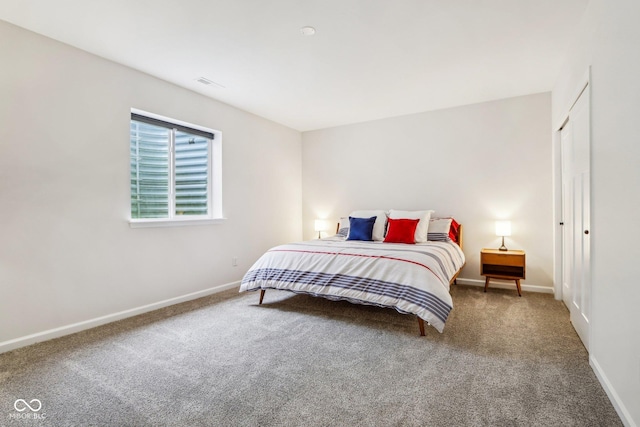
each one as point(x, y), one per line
point(410, 278)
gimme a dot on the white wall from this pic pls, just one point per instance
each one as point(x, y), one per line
point(477, 163)
point(67, 253)
point(608, 42)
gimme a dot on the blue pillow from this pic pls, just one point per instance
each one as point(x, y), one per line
point(361, 228)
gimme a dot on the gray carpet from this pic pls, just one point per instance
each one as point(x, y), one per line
point(302, 361)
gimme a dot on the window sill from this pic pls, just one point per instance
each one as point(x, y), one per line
point(148, 223)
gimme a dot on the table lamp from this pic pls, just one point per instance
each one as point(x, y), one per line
point(503, 228)
point(320, 225)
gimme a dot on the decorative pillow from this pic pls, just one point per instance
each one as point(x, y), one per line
point(380, 225)
point(343, 227)
point(439, 229)
point(423, 225)
point(361, 228)
point(402, 230)
point(454, 231)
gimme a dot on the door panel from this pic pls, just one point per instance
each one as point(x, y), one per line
point(576, 286)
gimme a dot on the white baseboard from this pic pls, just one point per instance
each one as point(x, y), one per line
point(92, 323)
point(622, 411)
point(506, 285)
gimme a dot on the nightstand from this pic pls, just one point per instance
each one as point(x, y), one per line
point(497, 264)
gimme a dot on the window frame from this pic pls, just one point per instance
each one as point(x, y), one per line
point(214, 172)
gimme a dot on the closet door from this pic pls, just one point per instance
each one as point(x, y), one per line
point(567, 214)
point(576, 217)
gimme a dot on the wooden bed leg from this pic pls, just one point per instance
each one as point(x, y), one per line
point(421, 326)
point(454, 280)
point(262, 291)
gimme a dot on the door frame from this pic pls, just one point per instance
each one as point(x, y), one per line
point(556, 151)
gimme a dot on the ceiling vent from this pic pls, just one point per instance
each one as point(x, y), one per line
point(207, 82)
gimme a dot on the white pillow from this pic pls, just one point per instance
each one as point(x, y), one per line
point(343, 227)
point(439, 229)
point(380, 225)
point(423, 225)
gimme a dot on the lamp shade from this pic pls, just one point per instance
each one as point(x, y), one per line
point(503, 228)
point(320, 225)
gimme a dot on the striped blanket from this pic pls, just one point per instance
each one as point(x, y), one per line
point(410, 278)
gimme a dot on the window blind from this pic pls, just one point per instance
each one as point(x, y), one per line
point(170, 169)
point(149, 153)
point(191, 174)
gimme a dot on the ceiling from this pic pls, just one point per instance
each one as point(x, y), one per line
point(369, 59)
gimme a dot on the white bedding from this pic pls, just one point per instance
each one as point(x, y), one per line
point(410, 278)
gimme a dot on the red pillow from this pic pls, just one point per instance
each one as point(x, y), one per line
point(402, 231)
point(454, 231)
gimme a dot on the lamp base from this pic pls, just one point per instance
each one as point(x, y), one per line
point(503, 247)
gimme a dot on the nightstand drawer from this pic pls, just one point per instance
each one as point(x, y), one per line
point(503, 259)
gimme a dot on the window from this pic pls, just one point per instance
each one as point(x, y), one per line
point(175, 171)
